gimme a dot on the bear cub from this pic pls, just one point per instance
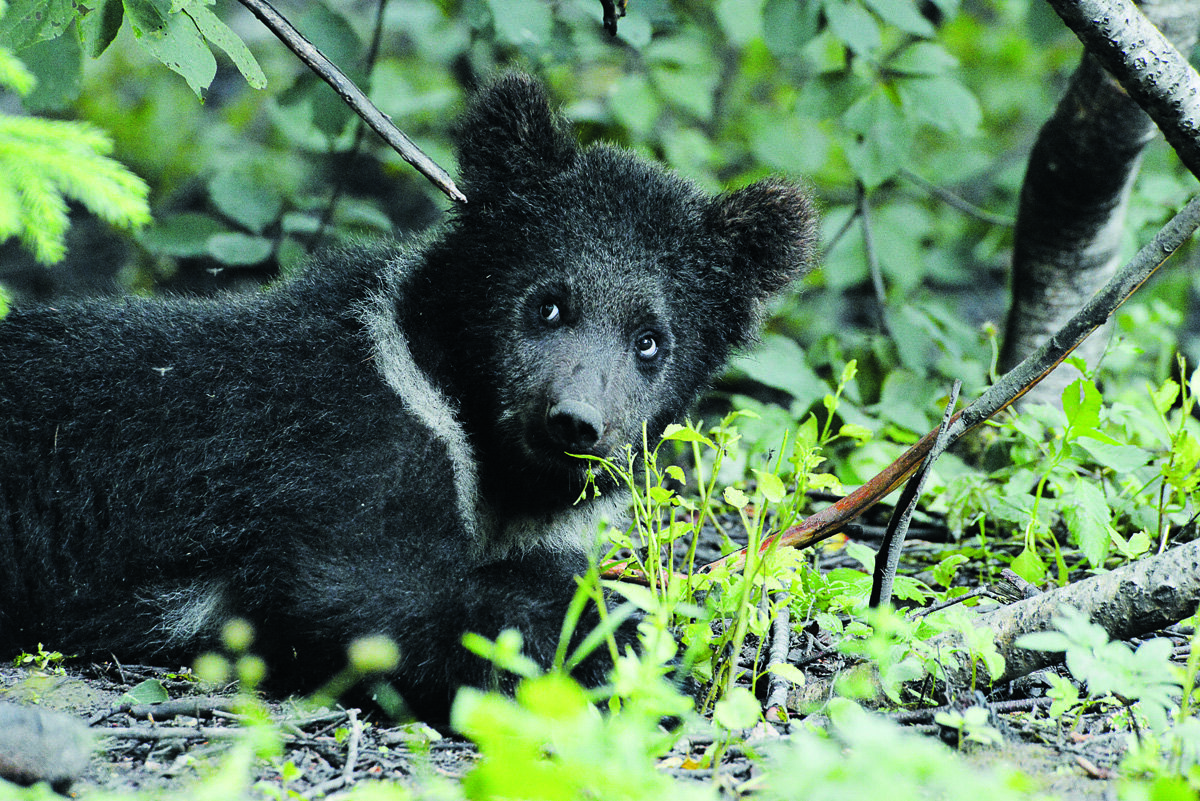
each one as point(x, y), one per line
point(381, 444)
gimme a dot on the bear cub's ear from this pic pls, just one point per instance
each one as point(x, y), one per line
point(769, 230)
point(509, 135)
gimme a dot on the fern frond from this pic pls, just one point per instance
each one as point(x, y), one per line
point(44, 162)
point(14, 74)
point(44, 218)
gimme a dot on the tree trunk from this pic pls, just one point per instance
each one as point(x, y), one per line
point(1072, 209)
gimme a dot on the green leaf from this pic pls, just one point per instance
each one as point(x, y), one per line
point(903, 14)
point(737, 710)
point(770, 485)
point(150, 691)
point(779, 363)
point(882, 137)
point(788, 672)
point(1181, 473)
point(941, 101)
point(677, 433)
point(504, 652)
point(1029, 566)
point(856, 432)
point(99, 26)
point(1118, 458)
point(660, 495)
point(58, 66)
point(854, 26)
point(179, 45)
point(787, 142)
point(27, 22)
point(1165, 396)
point(1088, 518)
point(218, 33)
point(522, 22)
point(943, 572)
point(237, 249)
point(740, 20)
point(1081, 403)
point(245, 195)
point(634, 104)
point(788, 26)
point(735, 498)
point(923, 58)
point(181, 235)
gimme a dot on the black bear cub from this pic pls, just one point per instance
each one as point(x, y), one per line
point(380, 445)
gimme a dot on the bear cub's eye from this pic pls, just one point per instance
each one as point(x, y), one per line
point(550, 313)
point(647, 345)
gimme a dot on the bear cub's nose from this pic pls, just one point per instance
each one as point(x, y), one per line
point(575, 425)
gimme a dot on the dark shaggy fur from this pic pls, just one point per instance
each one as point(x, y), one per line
point(379, 445)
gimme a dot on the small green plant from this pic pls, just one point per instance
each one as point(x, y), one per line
point(1160, 696)
point(43, 661)
point(1094, 483)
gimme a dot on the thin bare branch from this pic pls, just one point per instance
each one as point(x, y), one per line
point(888, 557)
point(354, 97)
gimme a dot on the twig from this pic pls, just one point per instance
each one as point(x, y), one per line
point(978, 592)
point(955, 202)
point(781, 639)
point(352, 746)
point(832, 242)
point(887, 559)
point(1004, 392)
point(910, 716)
point(863, 210)
point(156, 733)
point(347, 774)
point(327, 71)
point(196, 706)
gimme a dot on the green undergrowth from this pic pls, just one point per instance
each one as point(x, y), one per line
point(1053, 494)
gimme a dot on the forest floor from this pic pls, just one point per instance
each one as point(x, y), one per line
point(158, 750)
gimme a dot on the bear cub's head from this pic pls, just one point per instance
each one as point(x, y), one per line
point(584, 291)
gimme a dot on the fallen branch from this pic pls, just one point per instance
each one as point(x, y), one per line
point(1133, 600)
point(157, 733)
point(327, 71)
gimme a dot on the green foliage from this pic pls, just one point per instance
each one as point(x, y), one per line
point(43, 660)
point(866, 757)
point(1103, 481)
point(550, 742)
point(1160, 694)
point(46, 162)
point(178, 33)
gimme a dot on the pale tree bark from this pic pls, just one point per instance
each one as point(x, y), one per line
point(1071, 218)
